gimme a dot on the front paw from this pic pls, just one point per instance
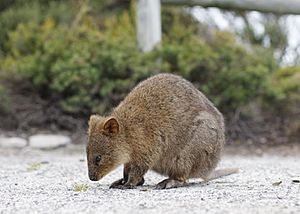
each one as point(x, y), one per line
point(123, 187)
point(117, 183)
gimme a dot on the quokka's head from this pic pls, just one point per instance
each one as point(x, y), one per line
point(104, 149)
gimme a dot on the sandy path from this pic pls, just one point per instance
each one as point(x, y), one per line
point(29, 186)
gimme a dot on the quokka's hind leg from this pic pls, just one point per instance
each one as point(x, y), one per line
point(177, 178)
point(177, 175)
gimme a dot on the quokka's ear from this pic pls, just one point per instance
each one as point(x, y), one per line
point(111, 126)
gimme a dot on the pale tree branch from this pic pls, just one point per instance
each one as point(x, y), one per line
point(265, 6)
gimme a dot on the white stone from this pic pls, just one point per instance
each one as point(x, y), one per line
point(12, 142)
point(47, 141)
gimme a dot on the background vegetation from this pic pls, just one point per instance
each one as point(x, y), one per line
point(60, 61)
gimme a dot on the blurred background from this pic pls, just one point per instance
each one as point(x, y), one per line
point(60, 61)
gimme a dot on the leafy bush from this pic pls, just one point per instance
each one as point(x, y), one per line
point(283, 99)
point(90, 69)
point(284, 90)
point(83, 67)
point(240, 75)
point(87, 62)
point(229, 74)
point(22, 12)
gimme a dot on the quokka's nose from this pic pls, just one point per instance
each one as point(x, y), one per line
point(92, 177)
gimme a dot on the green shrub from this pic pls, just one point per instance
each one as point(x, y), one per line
point(90, 69)
point(282, 99)
point(35, 12)
point(284, 90)
point(84, 67)
point(229, 74)
point(240, 75)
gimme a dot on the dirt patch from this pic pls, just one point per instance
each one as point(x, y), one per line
point(57, 181)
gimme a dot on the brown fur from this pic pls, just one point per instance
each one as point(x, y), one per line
point(164, 124)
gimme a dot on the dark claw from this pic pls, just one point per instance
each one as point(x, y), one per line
point(119, 182)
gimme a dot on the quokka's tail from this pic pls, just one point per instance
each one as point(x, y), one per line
point(221, 172)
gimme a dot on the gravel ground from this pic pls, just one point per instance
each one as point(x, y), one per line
point(34, 181)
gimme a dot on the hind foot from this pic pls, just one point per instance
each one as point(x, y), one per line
point(170, 183)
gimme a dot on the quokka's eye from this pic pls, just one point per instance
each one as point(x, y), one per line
point(98, 158)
